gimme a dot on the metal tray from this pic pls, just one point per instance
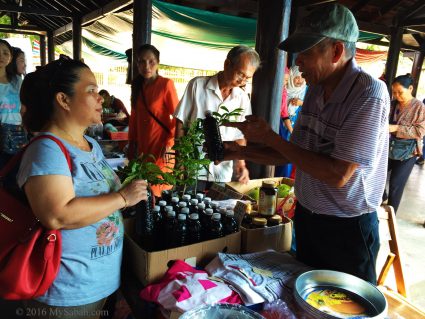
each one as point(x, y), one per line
point(358, 289)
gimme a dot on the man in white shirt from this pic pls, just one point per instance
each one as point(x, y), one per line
point(209, 93)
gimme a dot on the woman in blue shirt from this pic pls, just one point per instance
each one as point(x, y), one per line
point(12, 136)
point(62, 99)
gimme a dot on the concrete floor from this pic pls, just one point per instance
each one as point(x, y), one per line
point(411, 235)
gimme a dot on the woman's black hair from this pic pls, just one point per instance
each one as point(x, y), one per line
point(9, 74)
point(13, 69)
point(138, 80)
point(39, 89)
point(148, 47)
point(404, 80)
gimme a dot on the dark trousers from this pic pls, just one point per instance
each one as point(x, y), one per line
point(399, 174)
point(349, 245)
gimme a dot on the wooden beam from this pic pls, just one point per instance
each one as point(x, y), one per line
point(386, 9)
point(413, 22)
point(95, 15)
point(418, 62)
point(31, 10)
point(413, 10)
point(76, 38)
point(304, 3)
point(42, 49)
point(374, 28)
point(420, 40)
point(272, 28)
point(142, 28)
point(50, 47)
point(22, 29)
point(358, 6)
point(393, 54)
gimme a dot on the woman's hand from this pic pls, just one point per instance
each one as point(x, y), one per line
point(393, 128)
point(135, 192)
point(255, 129)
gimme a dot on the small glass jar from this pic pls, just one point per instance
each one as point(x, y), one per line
point(267, 200)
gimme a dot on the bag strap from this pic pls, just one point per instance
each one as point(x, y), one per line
point(153, 115)
point(16, 159)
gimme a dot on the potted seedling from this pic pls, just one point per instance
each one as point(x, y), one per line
point(189, 158)
point(144, 167)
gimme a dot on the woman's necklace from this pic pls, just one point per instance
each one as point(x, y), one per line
point(80, 145)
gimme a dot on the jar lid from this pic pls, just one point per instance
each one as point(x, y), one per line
point(268, 184)
point(259, 221)
point(276, 218)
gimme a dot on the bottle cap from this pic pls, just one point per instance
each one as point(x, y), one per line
point(201, 205)
point(156, 208)
point(259, 221)
point(230, 213)
point(171, 213)
point(222, 210)
point(174, 199)
point(199, 196)
point(214, 205)
point(209, 211)
point(162, 203)
point(194, 201)
point(268, 184)
point(186, 197)
point(207, 200)
point(185, 210)
point(181, 217)
point(182, 204)
point(168, 208)
point(194, 216)
point(216, 216)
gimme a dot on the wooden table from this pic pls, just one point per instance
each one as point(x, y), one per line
point(400, 306)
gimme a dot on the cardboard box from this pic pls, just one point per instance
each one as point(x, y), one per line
point(151, 266)
point(278, 238)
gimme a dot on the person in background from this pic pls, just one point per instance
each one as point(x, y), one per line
point(295, 96)
point(153, 101)
point(110, 102)
point(18, 65)
point(339, 145)
point(209, 93)
point(407, 122)
point(62, 100)
point(421, 159)
point(280, 171)
point(12, 135)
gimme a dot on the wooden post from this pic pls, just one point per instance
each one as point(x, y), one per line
point(418, 61)
point(393, 54)
point(42, 49)
point(272, 28)
point(76, 38)
point(142, 27)
point(50, 46)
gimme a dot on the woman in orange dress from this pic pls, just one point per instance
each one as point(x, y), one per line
point(153, 101)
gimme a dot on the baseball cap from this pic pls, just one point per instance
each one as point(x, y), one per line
point(330, 21)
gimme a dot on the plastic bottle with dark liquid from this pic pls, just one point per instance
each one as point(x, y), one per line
point(214, 144)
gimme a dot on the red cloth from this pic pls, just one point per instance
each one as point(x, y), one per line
point(284, 105)
point(184, 287)
point(145, 135)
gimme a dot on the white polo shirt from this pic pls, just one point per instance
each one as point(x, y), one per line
point(203, 94)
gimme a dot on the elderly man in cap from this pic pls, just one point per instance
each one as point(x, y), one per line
point(209, 93)
point(339, 145)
